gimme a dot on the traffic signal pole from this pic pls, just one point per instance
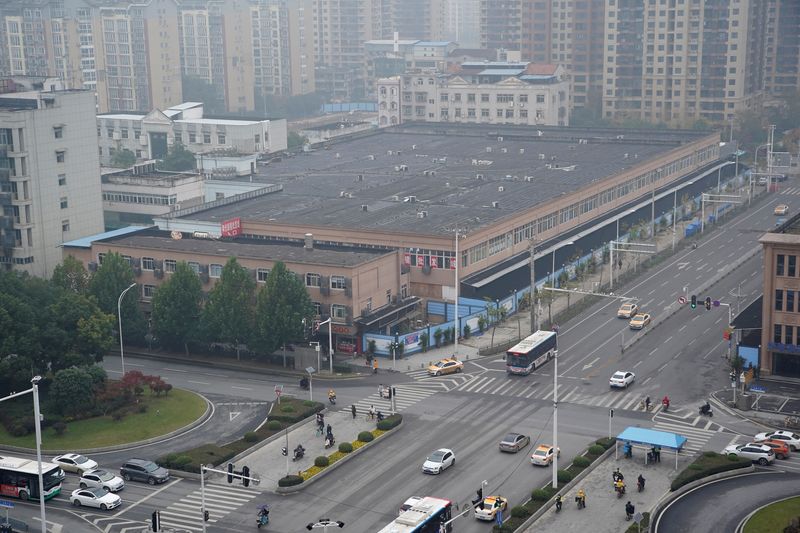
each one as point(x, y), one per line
point(244, 475)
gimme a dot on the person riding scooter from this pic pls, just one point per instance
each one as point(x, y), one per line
point(559, 502)
point(263, 516)
point(304, 383)
point(665, 403)
point(580, 499)
point(619, 487)
point(299, 451)
point(332, 396)
point(705, 409)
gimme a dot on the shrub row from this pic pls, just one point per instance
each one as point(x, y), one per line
point(292, 410)
point(390, 422)
point(708, 464)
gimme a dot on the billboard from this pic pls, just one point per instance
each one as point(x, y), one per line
point(232, 227)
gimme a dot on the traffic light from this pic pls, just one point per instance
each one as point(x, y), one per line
point(694, 301)
point(206, 516)
point(246, 476)
point(230, 472)
point(708, 303)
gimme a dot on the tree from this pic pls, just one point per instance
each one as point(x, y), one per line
point(178, 159)
point(228, 316)
point(177, 307)
point(112, 277)
point(295, 140)
point(750, 130)
point(88, 331)
point(496, 313)
point(123, 159)
point(283, 302)
point(72, 391)
point(200, 90)
point(71, 275)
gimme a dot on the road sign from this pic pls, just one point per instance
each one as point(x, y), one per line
point(682, 300)
point(278, 390)
point(7, 504)
point(715, 303)
point(757, 388)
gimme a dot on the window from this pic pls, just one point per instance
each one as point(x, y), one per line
point(148, 263)
point(214, 270)
point(788, 334)
point(338, 282)
point(192, 138)
point(338, 311)
point(779, 299)
point(137, 134)
point(388, 296)
point(262, 274)
point(169, 265)
point(58, 132)
point(110, 133)
point(317, 308)
point(313, 280)
point(100, 258)
point(221, 138)
point(792, 270)
point(207, 138)
point(64, 203)
point(178, 138)
point(65, 226)
point(776, 334)
point(124, 133)
point(148, 291)
point(194, 266)
point(790, 301)
point(484, 98)
point(404, 290)
point(62, 179)
point(60, 156)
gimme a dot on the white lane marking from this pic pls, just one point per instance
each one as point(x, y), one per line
point(240, 388)
point(654, 350)
point(154, 493)
point(198, 382)
point(683, 327)
point(176, 370)
point(662, 367)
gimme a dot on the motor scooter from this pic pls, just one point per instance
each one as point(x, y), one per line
point(705, 410)
point(263, 516)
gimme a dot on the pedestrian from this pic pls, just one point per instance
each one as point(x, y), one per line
point(371, 413)
point(380, 390)
point(353, 410)
point(375, 366)
point(330, 429)
point(658, 454)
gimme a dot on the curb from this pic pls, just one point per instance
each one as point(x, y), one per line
point(569, 486)
point(304, 484)
point(228, 366)
point(671, 496)
point(118, 447)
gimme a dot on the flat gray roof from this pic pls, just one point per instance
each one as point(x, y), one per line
point(322, 188)
point(287, 252)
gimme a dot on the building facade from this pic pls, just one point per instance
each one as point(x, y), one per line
point(49, 177)
point(479, 93)
point(150, 135)
point(783, 48)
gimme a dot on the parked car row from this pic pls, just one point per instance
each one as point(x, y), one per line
point(767, 446)
point(98, 486)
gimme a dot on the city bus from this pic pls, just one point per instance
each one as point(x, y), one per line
point(531, 352)
point(19, 478)
point(426, 516)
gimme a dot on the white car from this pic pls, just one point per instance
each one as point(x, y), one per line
point(73, 462)
point(438, 461)
point(791, 439)
point(96, 497)
point(103, 479)
point(621, 379)
point(758, 453)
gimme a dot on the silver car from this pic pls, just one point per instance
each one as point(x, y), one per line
point(102, 479)
point(758, 453)
point(514, 442)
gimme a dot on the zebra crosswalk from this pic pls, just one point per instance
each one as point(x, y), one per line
point(185, 515)
point(790, 190)
point(698, 430)
point(448, 382)
point(406, 395)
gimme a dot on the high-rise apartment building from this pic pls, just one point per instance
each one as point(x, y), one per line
point(301, 46)
point(464, 23)
point(49, 177)
point(501, 24)
point(783, 47)
point(684, 61)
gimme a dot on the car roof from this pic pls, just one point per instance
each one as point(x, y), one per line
point(68, 456)
point(513, 434)
point(544, 447)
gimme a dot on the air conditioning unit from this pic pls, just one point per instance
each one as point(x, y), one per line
point(360, 177)
point(489, 149)
point(478, 176)
point(338, 155)
point(504, 150)
point(541, 157)
point(422, 214)
point(413, 146)
point(371, 157)
point(495, 204)
point(522, 104)
point(342, 194)
point(364, 207)
point(501, 188)
point(522, 150)
point(500, 139)
point(395, 198)
point(389, 152)
point(529, 178)
point(92, 266)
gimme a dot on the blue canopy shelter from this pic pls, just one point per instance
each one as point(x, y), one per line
point(651, 437)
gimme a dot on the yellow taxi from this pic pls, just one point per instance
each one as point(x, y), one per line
point(639, 321)
point(781, 210)
point(446, 366)
point(543, 455)
point(491, 505)
point(627, 310)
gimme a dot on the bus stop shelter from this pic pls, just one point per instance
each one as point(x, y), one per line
point(652, 438)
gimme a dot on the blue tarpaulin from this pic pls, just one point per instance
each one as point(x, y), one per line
point(651, 437)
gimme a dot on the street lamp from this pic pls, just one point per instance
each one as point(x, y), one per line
point(555, 419)
point(675, 213)
point(37, 422)
point(330, 340)
point(553, 272)
point(119, 316)
point(311, 371)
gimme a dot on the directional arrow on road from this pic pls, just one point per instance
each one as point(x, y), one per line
point(233, 414)
point(590, 364)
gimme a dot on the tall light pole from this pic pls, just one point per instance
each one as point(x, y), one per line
point(458, 329)
point(533, 285)
point(675, 213)
point(119, 316)
point(555, 417)
point(330, 340)
point(37, 423)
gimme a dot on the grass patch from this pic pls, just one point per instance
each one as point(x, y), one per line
point(774, 517)
point(163, 414)
point(633, 528)
point(707, 464)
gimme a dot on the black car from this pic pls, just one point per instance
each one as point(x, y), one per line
point(143, 470)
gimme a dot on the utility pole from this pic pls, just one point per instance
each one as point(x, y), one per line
point(533, 285)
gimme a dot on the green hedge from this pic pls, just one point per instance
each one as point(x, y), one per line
point(290, 481)
point(300, 410)
point(708, 464)
point(366, 436)
point(520, 512)
point(564, 476)
point(390, 422)
point(596, 449)
point(321, 461)
point(540, 495)
point(581, 461)
point(345, 447)
point(342, 368)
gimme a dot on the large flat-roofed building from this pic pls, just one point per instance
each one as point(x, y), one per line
point(780, 320)
point(412, 187)
point(343, 282)
point(49, 177)
point(149, 135)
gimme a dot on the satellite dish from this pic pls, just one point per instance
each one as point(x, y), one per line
point(175, 234)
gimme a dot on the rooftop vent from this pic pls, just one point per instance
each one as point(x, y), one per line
point(539, 133)
point(489, 149)
point(504, 150)
point(528, 178)
point(422, 214)
point(308, 243)
point(499, 139)
point(501, 188)
point(410, 199)
point(338, 155)
point(342, 194)
point(371, 157)
point(360, 177)
point(625, 156)
point(364, 207)
point(478, 176)
point(389, 152)
point(522, 150)
point(395, 198)
point(413, 146)
point(404, 168)
point(541, 156)
point(496, 205)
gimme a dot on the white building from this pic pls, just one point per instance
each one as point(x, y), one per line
point(477, 92)
point(49, 177)
point(150, 135)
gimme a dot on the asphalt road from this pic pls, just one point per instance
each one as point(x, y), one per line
point(723, 504)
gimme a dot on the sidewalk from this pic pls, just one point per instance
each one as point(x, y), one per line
point(271, 465)
point(604, 510)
